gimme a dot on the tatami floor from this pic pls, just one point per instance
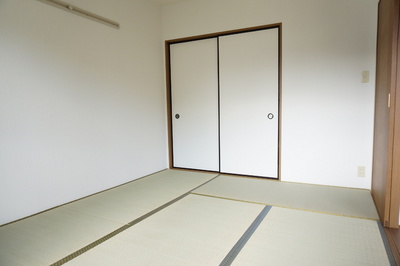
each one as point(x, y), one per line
point(178, 217)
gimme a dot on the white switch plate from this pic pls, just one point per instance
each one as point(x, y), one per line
point(361, 171)
point(365, 76)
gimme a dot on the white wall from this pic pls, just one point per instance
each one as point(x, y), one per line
point(82, 105)
point(327, 113)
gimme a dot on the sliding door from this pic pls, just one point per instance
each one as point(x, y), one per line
point(194, 104)
point(249, 91)
point(225, 102)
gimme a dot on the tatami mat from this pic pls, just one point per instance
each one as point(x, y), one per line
point(126, 203)
point(158, 222)
point(333, 200)
point(45, 238)
point(292, 237)
point(50, 236)
point(193, 231)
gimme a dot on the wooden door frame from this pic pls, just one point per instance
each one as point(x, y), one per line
point(386, 169)
point(216, 35)
point(394, 201)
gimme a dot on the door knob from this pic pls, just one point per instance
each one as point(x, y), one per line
point(177, 116)
point(270, 116)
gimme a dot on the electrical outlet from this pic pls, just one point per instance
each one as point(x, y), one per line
point(361, 171)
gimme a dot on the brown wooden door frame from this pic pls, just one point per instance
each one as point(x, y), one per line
point(216, 35)
point(386, 163)
point(394, 206)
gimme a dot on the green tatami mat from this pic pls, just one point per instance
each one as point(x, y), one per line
point(50, 236)
point(324, 199)
point(193, 231)
point(292, 237)
point(45, 238)
point(128, 202)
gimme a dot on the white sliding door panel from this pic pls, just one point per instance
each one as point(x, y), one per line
point(249, 91)
point(194, 96)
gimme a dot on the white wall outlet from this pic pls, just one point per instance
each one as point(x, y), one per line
point(361, 171)
point(365, 76)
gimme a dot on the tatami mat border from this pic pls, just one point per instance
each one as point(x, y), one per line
point(124, 227)
point(282, 206)
point(230, 257)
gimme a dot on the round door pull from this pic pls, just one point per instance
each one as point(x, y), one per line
point(270, 116)
point(177, 116)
